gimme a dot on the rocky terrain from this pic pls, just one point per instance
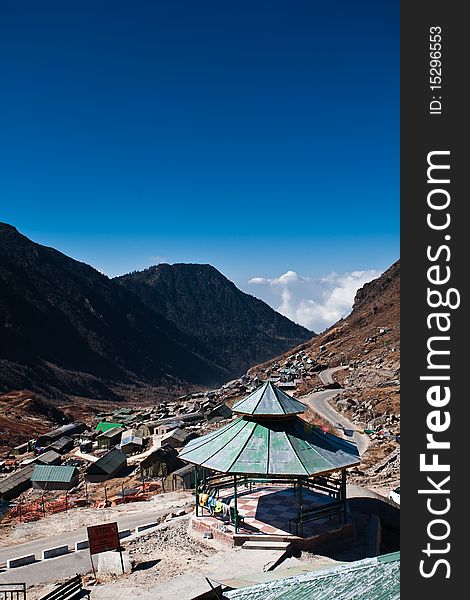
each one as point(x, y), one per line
point(22, 417)
point(367, 343)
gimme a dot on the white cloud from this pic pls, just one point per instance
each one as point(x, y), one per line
point(314, 303)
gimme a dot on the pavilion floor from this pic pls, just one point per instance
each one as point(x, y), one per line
point(267, 511)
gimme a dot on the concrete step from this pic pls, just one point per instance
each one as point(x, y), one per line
point(266, 545)
point(264, 537)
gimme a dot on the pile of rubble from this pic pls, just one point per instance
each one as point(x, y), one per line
point(170, 551)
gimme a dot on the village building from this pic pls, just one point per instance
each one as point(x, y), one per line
point(131, 442)
point(221, 410)
point(181, 479)
point(46, 439)
point(147, 429)
point(112, 464)
point(48, 457)
point(15, 484)
point(21, 449)
point(62, 446)
point(104, 426)
point(50, 477)
point(160, 463)
point(176, 438)
point(110, 438)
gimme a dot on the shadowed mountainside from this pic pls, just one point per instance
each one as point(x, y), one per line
point(67, 329)
point(231, 328)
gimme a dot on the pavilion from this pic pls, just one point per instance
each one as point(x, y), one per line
point(269, 444)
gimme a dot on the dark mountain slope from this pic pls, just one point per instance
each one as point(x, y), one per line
point(58, 313)
point(231, 328)
point(67, 330)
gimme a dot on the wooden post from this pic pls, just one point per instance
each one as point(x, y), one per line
point(235, 508)
point(92, 566)
point(122, 560)
point(66, 502)
point(343, 492)
point(301, 508)
point(196, 492)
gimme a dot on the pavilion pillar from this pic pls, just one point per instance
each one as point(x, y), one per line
point(196, 490)
point(204, 478)
point(301, 508)
point(235, 502)
point(343, 492)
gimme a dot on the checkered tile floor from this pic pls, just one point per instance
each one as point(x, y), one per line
point(268, 510)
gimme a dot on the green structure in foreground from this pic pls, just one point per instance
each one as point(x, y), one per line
point(270, 440)
point(368, 579)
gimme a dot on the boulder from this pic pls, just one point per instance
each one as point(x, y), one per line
point(109, 563)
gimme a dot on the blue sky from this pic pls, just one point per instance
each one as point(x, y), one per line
point(258, 136)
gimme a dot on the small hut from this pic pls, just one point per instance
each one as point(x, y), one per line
point(65, 444)
point(177, 438)
point(110, 438)
point(160, 463)
point(51, 477)
point(15, 484)
point(49, 457)
point(46, 439)
point(108, 466)
point(131, 442)
point(181, 479)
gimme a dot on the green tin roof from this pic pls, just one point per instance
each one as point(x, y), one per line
point(269, 400)
point(52, 473)
point(368, 579)
point(105, 426)
point(109, 463)
point(265, 446)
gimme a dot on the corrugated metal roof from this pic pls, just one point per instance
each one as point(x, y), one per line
point(130, 437)
point(259, 446)
point(48, 457)
point(61, 443)
point(105, 426)
point(369, 579)
point(20, 476)
point(113, 432)
point(166, 455)
point(109, 463)
point(52, 473)
point(180, 435)
point(269, 400)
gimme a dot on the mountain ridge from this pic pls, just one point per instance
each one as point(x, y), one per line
point(67, 329)
point(207, 306)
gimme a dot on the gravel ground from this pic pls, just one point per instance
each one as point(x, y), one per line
point(166, 553)
point(82, 517)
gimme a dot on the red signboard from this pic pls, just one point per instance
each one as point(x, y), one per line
point(103, 538)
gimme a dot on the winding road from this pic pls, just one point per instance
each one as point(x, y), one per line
point(319, 402)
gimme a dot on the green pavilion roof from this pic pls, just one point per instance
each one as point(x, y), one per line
point(269, 400)
point(368, 579)
point(265, 446)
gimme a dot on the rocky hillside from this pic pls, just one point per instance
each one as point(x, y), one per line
point(367, 345)
point(232, 329)
point(367, 342)
point(67, 330)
